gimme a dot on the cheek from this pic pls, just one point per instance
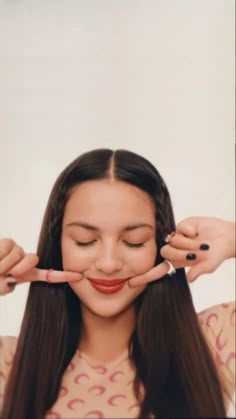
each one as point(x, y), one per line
point(143, 261)
point(72, 258)
point(75, 259)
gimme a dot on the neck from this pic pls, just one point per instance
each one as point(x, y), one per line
point(104, 339)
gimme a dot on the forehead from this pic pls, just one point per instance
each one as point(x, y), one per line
point(106, 199)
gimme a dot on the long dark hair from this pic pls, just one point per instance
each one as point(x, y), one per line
point(173, 360)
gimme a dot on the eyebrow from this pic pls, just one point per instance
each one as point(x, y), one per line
point(129, 227)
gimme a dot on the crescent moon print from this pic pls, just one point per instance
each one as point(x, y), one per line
point(63, 391)
point(115, 397)
point(79, 354)
point(218, 359)
point(219, 345)
point(71, 404)
point(211, 316)
point(115, 374)
point(100, 369)
point(10, 361)
point(53, 415)
point(95, 414)
point(70, 367)
point(97, 389)
point(79, 376)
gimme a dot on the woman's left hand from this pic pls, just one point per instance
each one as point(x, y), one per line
point(200, 243)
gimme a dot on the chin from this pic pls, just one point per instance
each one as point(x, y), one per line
point(105, 306)
point(110, 311)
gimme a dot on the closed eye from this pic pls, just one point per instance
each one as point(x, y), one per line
point(134, 244)
point(93, 241)
point(84, 243)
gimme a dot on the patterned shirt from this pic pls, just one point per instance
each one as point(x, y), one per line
point(104, 390)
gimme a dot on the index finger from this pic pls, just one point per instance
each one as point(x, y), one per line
point(179, 241)
point(155, 273)
point(187, 227)
point(49, 275)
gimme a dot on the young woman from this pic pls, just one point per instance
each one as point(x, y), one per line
point(109, 331)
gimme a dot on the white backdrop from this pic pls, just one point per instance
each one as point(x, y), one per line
point(153, 76)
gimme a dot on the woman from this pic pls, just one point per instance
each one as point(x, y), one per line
point(108, 333)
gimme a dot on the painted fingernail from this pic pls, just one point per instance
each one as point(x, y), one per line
point(11, 283)
point(204, 246)
point(191, 256)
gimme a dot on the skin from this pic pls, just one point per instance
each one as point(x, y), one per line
point(190, 234)
point(109, 255)
point(111, 206)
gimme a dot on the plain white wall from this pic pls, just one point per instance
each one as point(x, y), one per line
point(153, 76)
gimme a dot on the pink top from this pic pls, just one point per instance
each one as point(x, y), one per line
point(91, 390)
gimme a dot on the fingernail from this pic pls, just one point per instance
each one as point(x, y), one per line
point(75, 276)
point(170, 236)
point(171, 270)
point(191, 256)
point(132, 285)
point(11, 283)
point(204, 246)
point(47, 274)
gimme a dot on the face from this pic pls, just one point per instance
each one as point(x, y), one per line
point(108, 234)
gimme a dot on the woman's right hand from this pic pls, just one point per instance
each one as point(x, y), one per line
point(16, 267)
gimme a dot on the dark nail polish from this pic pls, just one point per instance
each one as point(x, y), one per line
point(11, 284)
point(191, 256)
point(204, 246)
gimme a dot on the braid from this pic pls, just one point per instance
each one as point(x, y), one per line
point(164, 214)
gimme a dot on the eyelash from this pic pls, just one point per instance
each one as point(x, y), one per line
point(134, 245)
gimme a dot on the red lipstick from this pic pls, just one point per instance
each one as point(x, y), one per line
point(107, 286)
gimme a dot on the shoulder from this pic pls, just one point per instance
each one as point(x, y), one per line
point(220, 311)
point(218, 326)
point(218, 319)
point(7, 352)
point(7, 346)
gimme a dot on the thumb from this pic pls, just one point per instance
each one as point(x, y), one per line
point(199, 269)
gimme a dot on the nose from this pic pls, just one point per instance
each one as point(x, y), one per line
point(108, 260)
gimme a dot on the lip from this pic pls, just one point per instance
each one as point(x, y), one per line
point(104, 289)
point(107, 282)
point(107, 286)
